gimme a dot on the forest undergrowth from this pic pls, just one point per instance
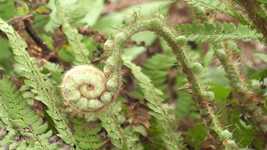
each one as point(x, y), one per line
point(133, 75)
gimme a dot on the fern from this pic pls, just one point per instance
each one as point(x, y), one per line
point(53, 71)
point(112, 124)
point(256, 13)
point(87, 134)
point(210, 4)
point(22, 117)
point(44, 91)
point(154, 98)
point(7, 132)
point(82, 108)
point(217, 6)
point(215, 32)
point(157, 68)
point(7, 136)
point(78, 49)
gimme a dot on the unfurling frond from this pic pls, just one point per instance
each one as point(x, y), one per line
point(215, 32)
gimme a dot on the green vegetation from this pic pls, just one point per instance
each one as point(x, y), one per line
point(104, 75)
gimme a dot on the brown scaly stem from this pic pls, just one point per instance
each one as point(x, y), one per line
point(251, 8)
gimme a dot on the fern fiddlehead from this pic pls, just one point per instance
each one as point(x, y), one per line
point(85, 88)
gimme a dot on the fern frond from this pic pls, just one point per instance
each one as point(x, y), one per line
point(121, 138)
point(78, 49)
point(43, 89)
point(4, 116)
point(8, 137)
point(7, 133)
point(216, 32)
point(86, 135)
point(111, 124)
point(211, 5)
point(218, 6)
point(22, 117)
point(154, 99)
point(54, 71)
point(157, 67)
point(225, 136)
point(240, 88)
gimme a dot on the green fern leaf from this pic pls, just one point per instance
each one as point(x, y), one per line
point(86, 134)
point(22, 117)
point(211, 5)
point(78, 49)
point(154, 98)
point(111, 123)
point(216, 32)
point(157, 67)
point(121, 138)
point(44, 90)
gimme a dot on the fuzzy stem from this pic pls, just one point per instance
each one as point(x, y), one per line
point(224, 135)
point(232, 73)
point(242, 93)
point(156, 25)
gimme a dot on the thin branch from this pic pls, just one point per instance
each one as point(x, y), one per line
point(37, 39)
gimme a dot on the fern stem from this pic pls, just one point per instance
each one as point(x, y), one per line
point(242, 92)
point(157, 25)
point(232, 73)
point(224, 135)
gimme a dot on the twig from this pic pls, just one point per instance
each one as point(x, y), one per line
point(33, 34)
